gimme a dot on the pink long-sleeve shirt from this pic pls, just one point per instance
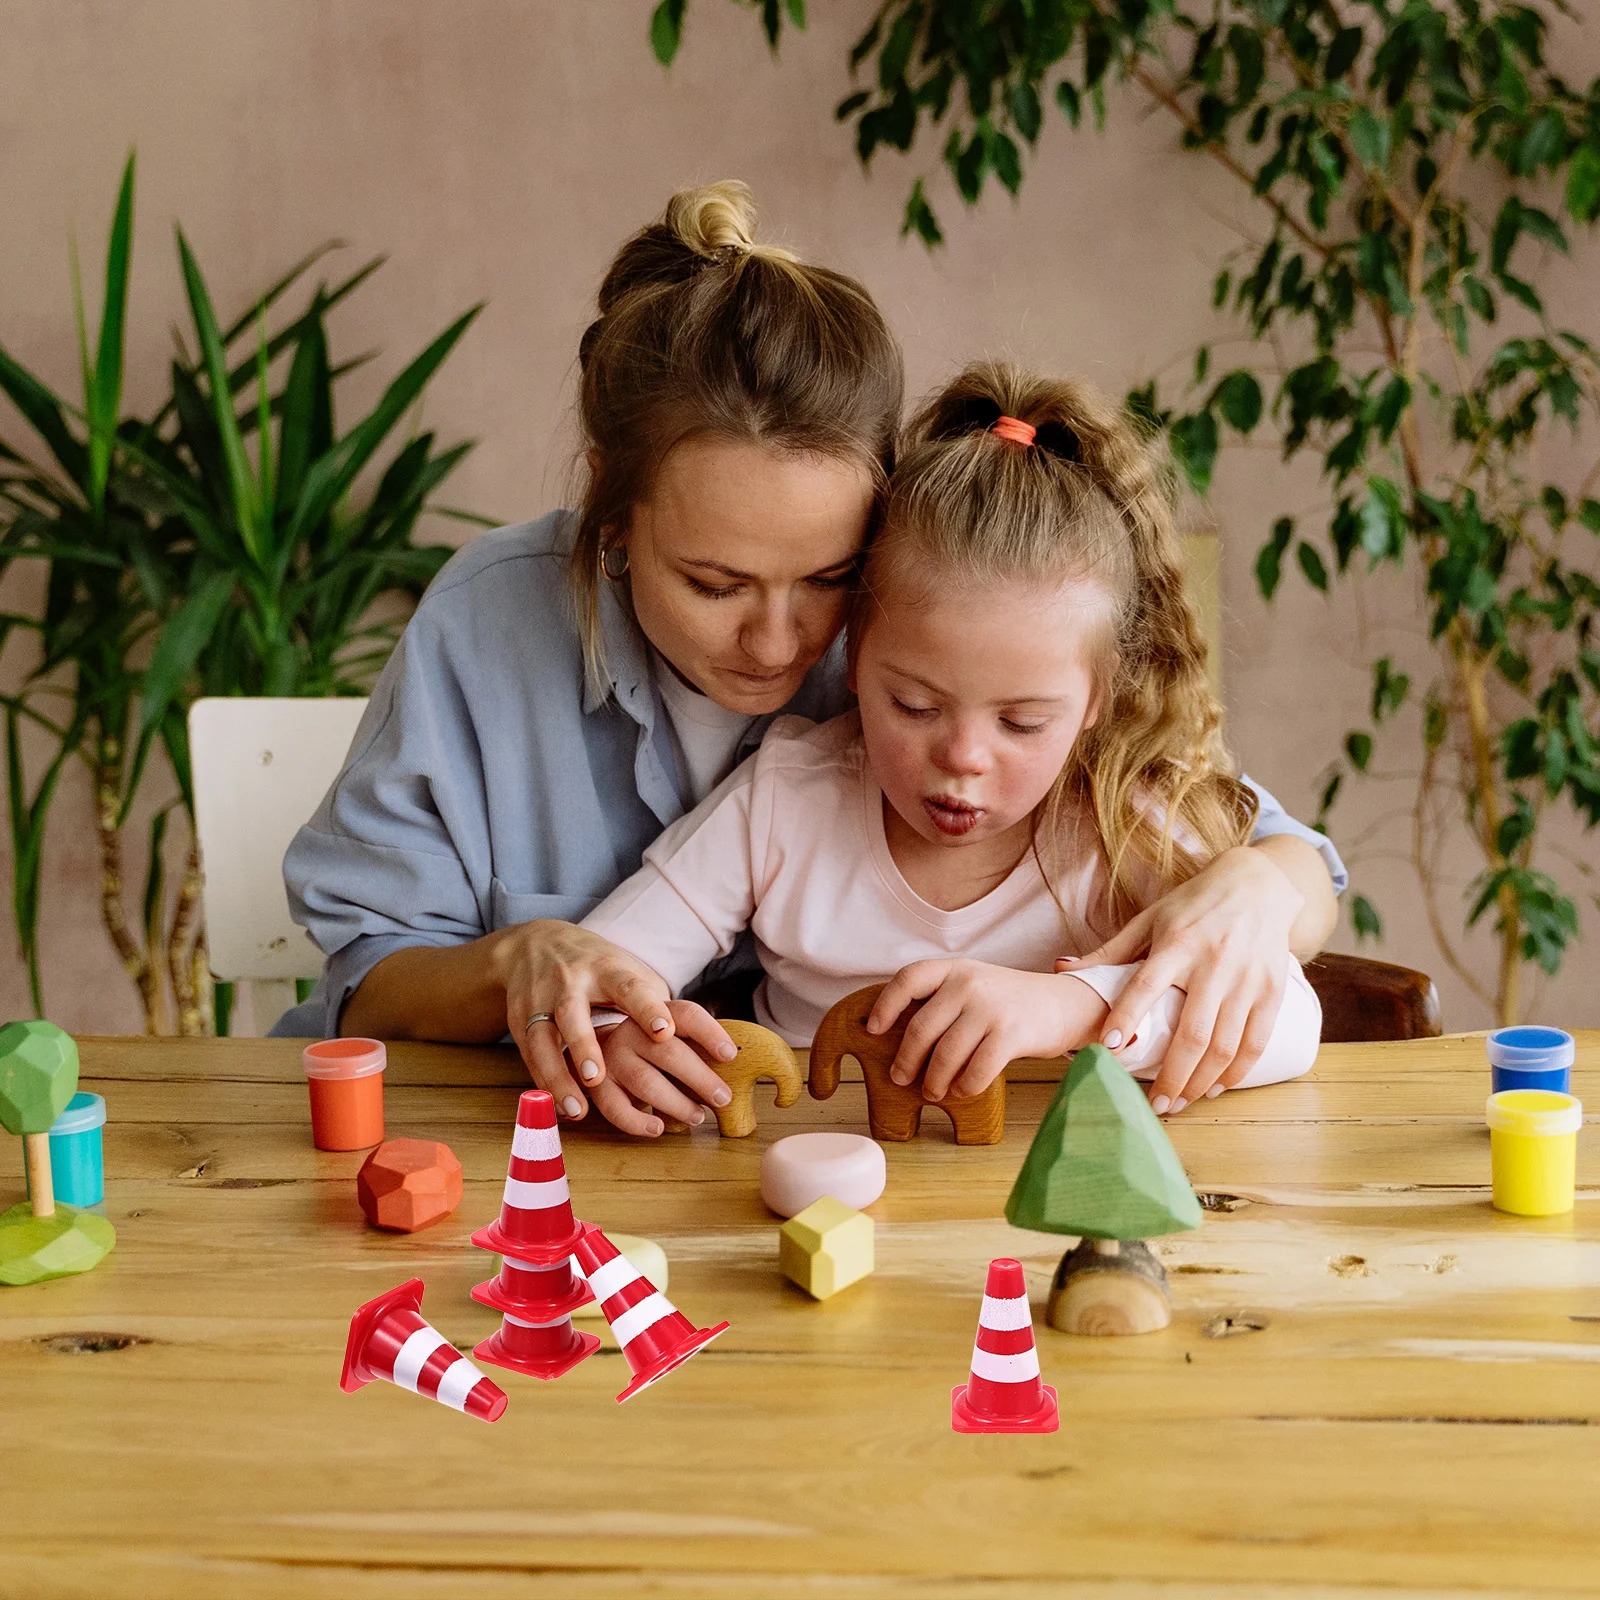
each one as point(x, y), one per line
point(792, 846)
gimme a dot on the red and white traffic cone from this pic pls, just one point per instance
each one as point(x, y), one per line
point(536, 1335)
point(655, 1336)
point(392, 1340)
point(536, 1224)
point(1004, 1393)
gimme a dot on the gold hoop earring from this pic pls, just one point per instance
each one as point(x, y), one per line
point(605, 563)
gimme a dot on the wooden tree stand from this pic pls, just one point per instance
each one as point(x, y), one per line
point(1109, 1287)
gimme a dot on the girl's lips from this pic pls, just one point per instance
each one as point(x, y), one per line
point(951, 818)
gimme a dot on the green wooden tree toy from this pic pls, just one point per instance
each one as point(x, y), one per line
point(38, 1239)
point(1102, 1169)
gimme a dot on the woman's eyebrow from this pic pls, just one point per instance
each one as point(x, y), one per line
point(750, 577)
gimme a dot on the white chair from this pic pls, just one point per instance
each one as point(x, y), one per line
point(261, 767)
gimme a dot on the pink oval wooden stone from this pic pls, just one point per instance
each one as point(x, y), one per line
point(803, 1168)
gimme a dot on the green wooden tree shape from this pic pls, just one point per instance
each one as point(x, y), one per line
point(1102, 1168)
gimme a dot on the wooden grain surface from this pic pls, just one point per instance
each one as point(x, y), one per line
point(1404, 1399)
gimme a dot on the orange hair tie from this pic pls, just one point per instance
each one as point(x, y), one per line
point(1014, 429)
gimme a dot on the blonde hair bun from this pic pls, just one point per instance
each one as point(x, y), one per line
point(721, 216)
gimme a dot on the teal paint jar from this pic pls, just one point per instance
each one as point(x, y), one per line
point(77, 1166)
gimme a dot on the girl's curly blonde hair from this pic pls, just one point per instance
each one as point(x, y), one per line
point(1090, 499)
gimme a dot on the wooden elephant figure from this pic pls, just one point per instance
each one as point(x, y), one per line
point(762, 1055)
point(894, 1111)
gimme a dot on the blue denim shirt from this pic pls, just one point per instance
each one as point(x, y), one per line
point(487, 785)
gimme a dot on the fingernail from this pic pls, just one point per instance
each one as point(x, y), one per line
point(1179, 1103)
point(588, 1072)
point(872, 1027)
point(727, 1051)
point(720, 1097)
point(659, 1025)
point(1214, 1091)
point(1160, 1104)
point(1113, 1039)
point(652, 1127)
point(901, 1078)
point(698, 1117)
point(1067, 961)
point(572, 1105)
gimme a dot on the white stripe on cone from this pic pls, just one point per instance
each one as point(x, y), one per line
point(459, 1380)
point(1006, 1316)
point(609, 1276)
point(536, 1144)
point(413, 1355)
point(536, 1196)
point(1022, 1367)
point(646, 1314)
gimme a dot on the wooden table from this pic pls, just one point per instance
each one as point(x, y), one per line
point(1373, 1383)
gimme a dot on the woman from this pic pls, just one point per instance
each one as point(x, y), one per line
point(568, 688)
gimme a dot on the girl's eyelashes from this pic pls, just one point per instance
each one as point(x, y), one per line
point(1022, 727)
point(923, 712)
point(912, 711)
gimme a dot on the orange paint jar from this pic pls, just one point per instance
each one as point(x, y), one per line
point(345, 1080)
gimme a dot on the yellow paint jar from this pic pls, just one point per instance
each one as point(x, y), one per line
point(1533, 1150)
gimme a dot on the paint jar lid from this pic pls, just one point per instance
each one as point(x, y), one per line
point(84, 1111)
point(344, 1058)
point(1531, 1049)
point(1534, 1111)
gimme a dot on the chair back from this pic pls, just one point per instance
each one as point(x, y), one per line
point(261, 767)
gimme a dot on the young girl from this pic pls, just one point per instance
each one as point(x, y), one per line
point(1035, 759)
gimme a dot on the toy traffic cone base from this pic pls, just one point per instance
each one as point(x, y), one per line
point(392, 1340)
point(539, 1350)
point(655, 1336)
point(536, 1224)
point(1004, 1393)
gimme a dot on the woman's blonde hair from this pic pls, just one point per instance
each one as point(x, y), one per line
point(704, 332)
point(1090, 499)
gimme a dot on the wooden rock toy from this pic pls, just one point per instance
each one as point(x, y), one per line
point(407, 1184)
point(1102, 1168)
point(826, 1247)
point(894, 1111)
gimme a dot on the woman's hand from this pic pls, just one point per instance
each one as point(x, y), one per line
point(976, 1018)
point(640, 1069)
point(1222, 937)
point(562, 969)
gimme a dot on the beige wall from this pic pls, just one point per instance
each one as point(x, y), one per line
point(500, 149)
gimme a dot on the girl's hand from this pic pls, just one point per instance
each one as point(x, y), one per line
point(562, 969)
point(638, 1064)
point(1222, 937)
point(978, 1017)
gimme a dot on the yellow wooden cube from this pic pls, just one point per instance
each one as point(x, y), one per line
point(826, 1247)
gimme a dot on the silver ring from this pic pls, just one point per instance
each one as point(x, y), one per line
point(538, 1016)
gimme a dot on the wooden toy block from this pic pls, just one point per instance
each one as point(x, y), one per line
point(38, 1076)
point(34, 1248)
point(407, 1184)
point(826, 1247)
point(894, 1111)
point(1102, 1168)
point(645, 1255)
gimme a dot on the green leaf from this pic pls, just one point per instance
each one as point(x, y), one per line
point(241, 481)
point(666, 30)
point(1369, 138)
point(1269, 563)
point(1238, 397)
point(1311, 565)
point(1435, 724)
point(105, 397)
point(919, 218)
point(1022, 100)
point(1364, 918)
point(1194, 443)
point(1071, 105)
point(797, 12)
point(45, 412)
point(1543, 227)
point(1583, 185)
point(187, 632)
point(1219, 288)
point(1342, 53)
point(1389, 689)
point(1358, 746)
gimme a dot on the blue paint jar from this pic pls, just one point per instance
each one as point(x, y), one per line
point(77, 1167)
point(1531, 1058)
